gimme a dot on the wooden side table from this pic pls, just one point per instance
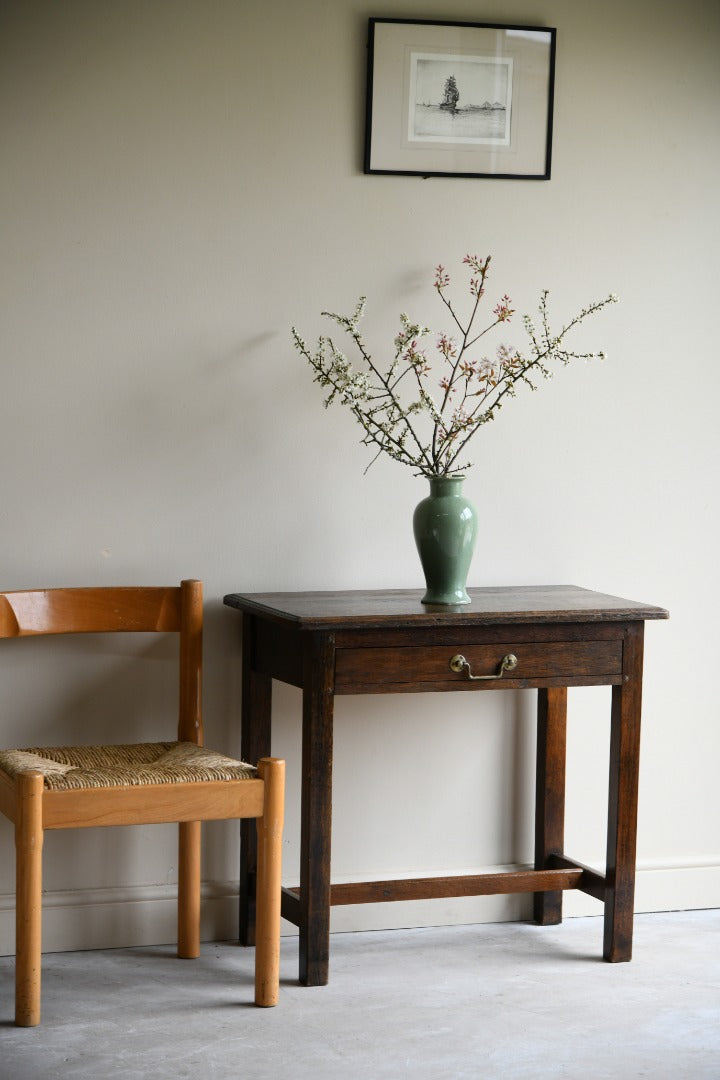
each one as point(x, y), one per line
point(330, 643)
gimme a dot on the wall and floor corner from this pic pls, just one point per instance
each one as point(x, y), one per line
point(181, 183)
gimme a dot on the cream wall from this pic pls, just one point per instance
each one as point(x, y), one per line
point(181, 182)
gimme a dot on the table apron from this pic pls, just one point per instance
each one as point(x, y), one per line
point(375, 664)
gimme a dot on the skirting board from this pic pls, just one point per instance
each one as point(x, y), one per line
point(146, 915)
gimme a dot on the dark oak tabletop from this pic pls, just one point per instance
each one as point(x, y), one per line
point(402, 607)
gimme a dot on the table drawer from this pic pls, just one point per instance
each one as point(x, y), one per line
point(359, 670)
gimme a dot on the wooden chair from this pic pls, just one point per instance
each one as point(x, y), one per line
point(71, 787)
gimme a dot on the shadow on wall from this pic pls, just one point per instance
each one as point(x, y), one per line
point(217, 400)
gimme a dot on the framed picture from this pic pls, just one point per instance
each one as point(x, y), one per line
point(459, 99)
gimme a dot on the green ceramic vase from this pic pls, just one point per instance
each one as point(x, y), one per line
point(445, 527)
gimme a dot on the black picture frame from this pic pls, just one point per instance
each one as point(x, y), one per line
point(459, 99)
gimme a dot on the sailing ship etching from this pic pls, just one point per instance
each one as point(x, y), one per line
point(459, 99)
point(452, 94)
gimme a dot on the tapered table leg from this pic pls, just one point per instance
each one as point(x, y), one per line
point(316, 814)
point(623, 800)
point(254, 745)
point(550, 795)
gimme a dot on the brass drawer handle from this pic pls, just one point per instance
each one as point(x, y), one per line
point(508, 663)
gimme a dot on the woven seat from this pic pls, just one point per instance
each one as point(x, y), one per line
point(59, 787)
point(71, 768)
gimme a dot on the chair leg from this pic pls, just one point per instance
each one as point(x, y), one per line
point(269, 883)
point(189, 889)
point(28, 898)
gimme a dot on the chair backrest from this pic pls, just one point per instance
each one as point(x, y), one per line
point(175, 609)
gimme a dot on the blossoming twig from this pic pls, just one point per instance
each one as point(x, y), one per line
point(396, 408)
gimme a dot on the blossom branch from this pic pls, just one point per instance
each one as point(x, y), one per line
point(472, 391)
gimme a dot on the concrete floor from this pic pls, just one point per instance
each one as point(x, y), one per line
point(507, 1001)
